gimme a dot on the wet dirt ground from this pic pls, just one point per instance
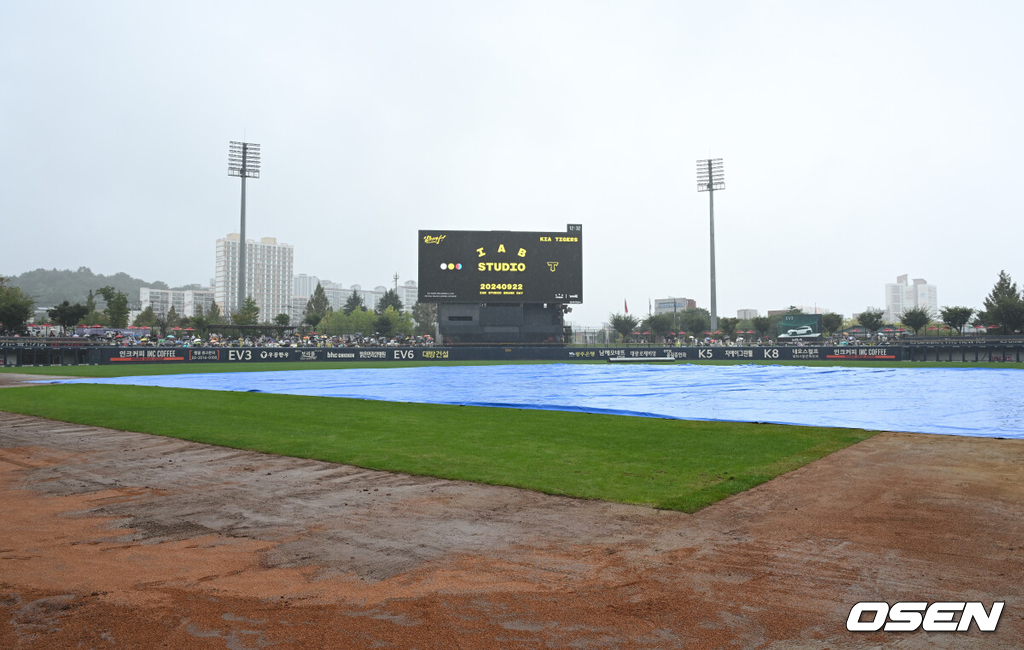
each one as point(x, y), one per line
point(120, 539)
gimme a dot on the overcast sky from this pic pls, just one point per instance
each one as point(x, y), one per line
point(861, 140)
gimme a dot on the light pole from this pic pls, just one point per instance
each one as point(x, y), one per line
point(244, 162)
point(711, 177)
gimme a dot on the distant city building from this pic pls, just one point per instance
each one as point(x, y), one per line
point(746, 314)
point(303, 288)
point(337, 295)
point(902, 295)
point(371, 298)
point(298, 309)
point(304, 285)
point(196, 299)
point(161, 300)
point(184, 302)
point(268, 275)
point(276, 290)
point(670, 305)
point(408, 293)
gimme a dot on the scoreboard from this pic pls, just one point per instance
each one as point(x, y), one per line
point(501, 266)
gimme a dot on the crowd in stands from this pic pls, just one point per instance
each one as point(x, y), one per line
point(265, 341)
point(188, 338)
point(143, 338)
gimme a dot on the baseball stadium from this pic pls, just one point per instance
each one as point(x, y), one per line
point(501, 488)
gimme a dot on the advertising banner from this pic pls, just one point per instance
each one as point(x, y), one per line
point(128, 356)
point(131, 356)
point(501, 266)
point(800, 326)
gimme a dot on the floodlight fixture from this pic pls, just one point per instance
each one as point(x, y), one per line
point(711, 177)
point(243, 159)
point(244, 162)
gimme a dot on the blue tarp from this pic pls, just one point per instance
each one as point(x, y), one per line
point(968, 401)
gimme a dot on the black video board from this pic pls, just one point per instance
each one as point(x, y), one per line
point(501, 266)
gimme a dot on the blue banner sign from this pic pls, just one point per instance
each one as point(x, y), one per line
point(131, 356)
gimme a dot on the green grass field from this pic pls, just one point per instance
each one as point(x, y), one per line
point(679, 465)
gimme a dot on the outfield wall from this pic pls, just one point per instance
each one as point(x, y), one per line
point(127, 356)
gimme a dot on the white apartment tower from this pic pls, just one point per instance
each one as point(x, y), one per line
point(901, 295)
point(268, 275)
point(184, 302)
point(305, 285)
point(198, 299)
point(161, 300)
point(408, 294)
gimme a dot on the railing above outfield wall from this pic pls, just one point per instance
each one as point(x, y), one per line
point(965, 352)
point(128, 356)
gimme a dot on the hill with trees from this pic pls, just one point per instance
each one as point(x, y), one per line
point(51, 287)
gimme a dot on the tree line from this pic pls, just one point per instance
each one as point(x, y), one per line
point(696, 322)
point(54, 286)
point(109, 307)
point(1003, 311)
point(386, 319)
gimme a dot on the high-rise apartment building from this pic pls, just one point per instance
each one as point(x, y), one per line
point(338, 295)
point(268, 275)
point(408, 293)
point(370, 297)
point(298, 309)
point(304, 285)
point(902, 295)
point(196, 299)
point(185, 302)
point(161, 300)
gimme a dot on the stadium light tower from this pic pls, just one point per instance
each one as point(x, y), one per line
point(244, 162)
point(711, 177)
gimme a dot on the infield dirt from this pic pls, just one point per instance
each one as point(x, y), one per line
point(119, 539)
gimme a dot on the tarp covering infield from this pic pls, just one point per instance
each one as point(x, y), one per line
point(968, 401)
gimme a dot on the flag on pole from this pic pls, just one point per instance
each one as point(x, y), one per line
point(626, 305)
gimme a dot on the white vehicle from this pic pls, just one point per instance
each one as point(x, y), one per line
point(800, 331)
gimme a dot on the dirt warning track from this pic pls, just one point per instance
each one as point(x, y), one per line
point(119, 539)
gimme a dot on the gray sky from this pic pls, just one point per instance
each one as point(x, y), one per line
point(861, 140)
